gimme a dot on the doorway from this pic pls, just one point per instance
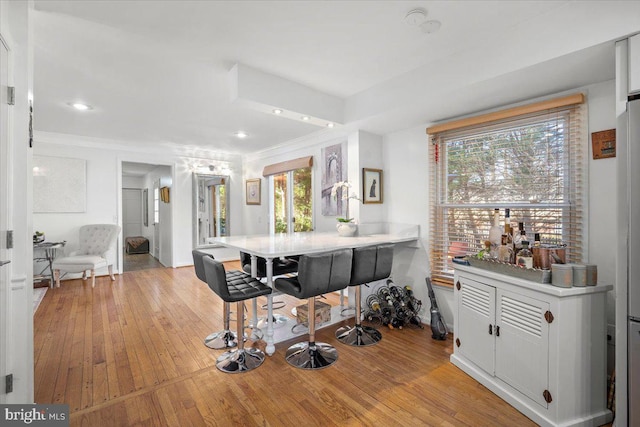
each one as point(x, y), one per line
point(145, 236)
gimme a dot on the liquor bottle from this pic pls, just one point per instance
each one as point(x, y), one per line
point(495, 234)
point(507, 222)
point(525, 257)
point(518, 237)
point(505, 251)
point(536, 240)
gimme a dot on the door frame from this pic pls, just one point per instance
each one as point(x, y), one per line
point(172, 207)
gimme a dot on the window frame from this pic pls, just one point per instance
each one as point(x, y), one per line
point(575, 197)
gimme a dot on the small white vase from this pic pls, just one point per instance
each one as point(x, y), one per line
point(346, 229)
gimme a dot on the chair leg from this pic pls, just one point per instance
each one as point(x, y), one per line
point(358, 335)
point(93, 278)
point(56, 278)
point(241, 359)
point(113, 278)
point(84, 275)
point(311, 354)
point(224, 338)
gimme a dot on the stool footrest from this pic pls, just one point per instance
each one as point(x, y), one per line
point(220, 340)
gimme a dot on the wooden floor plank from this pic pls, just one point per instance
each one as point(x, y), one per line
point(131, 352)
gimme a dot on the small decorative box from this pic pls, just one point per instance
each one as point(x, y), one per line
point(323, 313)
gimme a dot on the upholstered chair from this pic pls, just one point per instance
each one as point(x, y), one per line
point(97, 243)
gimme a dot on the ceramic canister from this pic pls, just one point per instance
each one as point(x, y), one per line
point(579, 275)
point(592, 274)
point(562, 275)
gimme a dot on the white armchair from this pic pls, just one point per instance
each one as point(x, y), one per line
point(96, 241)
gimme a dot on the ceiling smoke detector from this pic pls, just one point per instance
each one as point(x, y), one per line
point(430, 26)
point(416, 17)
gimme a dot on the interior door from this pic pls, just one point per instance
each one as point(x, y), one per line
point(5, 205)
point(131, 212)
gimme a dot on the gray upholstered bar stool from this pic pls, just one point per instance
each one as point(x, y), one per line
point(236, 288)
point(224, 338)
point(317, 274)
point(370, 263)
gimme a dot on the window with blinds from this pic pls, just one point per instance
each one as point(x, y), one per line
point(530, 163)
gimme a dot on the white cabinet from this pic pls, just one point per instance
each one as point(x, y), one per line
point(540, 348)
point(634, 64)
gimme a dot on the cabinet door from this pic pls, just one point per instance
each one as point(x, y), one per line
point(475, 324)
point(522, 344)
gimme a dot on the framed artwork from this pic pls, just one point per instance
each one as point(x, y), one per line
point(253, 191)
point(334, 169)
point(371, 185)
point(59, 184)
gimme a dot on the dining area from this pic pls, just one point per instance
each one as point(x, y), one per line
point(305, 266)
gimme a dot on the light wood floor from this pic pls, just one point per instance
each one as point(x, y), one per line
point(130, 352)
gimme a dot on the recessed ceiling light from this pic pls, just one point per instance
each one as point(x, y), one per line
point(305, 118)
point(80, 106)
point(277, 111)
point(330, 125)
point(241, 134)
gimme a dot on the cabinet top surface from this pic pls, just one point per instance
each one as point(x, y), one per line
point(546, 288)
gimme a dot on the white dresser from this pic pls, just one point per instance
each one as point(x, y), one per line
point(540, 348)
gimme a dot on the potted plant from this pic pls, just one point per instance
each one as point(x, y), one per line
point(346, 226)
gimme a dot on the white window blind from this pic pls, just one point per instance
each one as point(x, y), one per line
point(530, 163)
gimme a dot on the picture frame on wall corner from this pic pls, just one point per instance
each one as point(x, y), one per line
point(253, 191)
point(372, 190)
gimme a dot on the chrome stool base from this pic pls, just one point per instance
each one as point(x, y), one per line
point(358, 335)
point(241, 360)
point(311, 356)
point(221, 340)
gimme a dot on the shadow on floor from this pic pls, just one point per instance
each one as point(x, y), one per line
point(136, 262)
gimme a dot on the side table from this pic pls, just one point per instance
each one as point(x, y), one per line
point(47, 251)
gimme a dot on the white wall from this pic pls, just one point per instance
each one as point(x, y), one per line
point(407, 198)
point(104, 183)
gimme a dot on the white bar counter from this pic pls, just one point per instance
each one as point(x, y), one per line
point(280, 245)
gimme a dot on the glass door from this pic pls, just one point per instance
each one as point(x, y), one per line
point(291, 201)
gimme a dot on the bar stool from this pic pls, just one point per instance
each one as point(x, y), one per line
point(370, 263)
point(238, 289)
point(224, 338)
point(317, 274)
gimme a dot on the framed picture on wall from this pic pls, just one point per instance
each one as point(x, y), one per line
point(371, 185)
point(253, 191)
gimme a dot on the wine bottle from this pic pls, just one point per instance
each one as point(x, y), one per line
point(495, 234)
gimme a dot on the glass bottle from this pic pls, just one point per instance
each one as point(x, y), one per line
point(495, 234)
point(536, 240)
point(505, 251)
point(525, 257)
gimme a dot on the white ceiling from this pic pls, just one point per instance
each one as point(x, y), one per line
point(157, 72)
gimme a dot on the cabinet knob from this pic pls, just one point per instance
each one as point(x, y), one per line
point(458, 285)
point(497, 330)
point(490, 329)
point(458, 342)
